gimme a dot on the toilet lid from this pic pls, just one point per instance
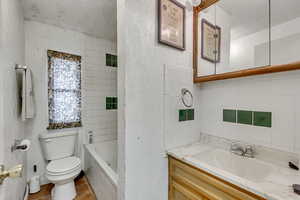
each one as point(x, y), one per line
point(63, 165)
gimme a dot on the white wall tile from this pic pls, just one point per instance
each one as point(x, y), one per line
point(274, 93)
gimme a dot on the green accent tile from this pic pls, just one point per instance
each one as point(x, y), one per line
point(191, 114)
point(109, 100)
point(244, 117)
point(115, 106)
point(108, 60)
point(114, 61)
point(115, 100)
point(229, 115)
point(109, 103)
point(182, 115)
point(111, 60)
point(262, 119)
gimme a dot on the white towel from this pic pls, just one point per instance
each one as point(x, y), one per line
point(27, 96)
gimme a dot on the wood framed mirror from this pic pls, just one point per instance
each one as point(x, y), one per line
point(236, 38)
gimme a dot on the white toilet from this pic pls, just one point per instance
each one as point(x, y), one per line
point(63, 167)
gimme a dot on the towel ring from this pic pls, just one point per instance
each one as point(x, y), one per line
point(187, 98)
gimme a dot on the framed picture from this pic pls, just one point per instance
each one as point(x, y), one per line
point(171, 23)
point(210, 42)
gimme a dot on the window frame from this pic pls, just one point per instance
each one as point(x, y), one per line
point(70, 57)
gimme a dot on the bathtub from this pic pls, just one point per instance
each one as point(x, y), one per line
point(101, 169)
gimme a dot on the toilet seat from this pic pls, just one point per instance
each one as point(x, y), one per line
point(64, 170)
point(63, 166)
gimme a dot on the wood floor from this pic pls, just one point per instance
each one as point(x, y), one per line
point(84, 191)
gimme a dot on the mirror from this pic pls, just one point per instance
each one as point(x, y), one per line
point(245, 34)
point(285, 31)
point(237, 38)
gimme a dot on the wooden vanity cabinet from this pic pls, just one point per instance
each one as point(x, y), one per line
point(189, 183)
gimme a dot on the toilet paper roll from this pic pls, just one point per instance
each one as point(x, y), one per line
point(27, 143)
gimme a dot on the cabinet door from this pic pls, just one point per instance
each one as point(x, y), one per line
point(189, 183)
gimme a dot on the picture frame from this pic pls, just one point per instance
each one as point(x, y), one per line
point(171, 24)
point(210, 42)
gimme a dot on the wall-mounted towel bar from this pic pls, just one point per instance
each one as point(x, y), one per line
point(20, 67)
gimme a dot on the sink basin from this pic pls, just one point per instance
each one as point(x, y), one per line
point(248, 168)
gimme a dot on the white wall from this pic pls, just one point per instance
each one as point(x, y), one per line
point(11, 127)
point(98, 81)
point(276, 93)
point(148, 114)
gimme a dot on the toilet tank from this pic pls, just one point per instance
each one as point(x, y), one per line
point(58, 145)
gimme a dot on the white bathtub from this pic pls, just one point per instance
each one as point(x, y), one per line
point(101, 167)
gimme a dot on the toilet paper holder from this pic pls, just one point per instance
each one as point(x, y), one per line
point(19, 146)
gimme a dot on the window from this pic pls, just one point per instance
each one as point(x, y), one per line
point(64, 90)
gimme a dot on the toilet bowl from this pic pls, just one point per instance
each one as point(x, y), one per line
point(62, 173)
point(63, 166)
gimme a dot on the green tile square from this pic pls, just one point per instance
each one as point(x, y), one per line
point(262, 119)
point(182, 115)
point(108, 60)
point(115, 100)
point(115, 106)
point(114, 61)
point(109, 100)
point(229, 115)
point(108, 106)
point(244, 117)
point(191, 114)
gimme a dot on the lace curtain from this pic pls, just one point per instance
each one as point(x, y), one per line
point(64, 90)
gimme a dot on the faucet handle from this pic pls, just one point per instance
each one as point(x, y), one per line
point(237, 149)
point(235, 146)
point(249, 151)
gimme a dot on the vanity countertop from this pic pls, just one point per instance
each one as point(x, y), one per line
point(276, 183)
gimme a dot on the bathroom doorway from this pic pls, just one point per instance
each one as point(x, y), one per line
point(44, 37)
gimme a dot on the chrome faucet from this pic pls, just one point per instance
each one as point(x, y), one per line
point(239, 150)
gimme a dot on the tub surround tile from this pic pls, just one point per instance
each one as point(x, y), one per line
point(277, 186)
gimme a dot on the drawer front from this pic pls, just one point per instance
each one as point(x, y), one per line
point(180, 192)
point(190, 181)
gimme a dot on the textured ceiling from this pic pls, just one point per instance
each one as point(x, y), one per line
point(97, 18)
